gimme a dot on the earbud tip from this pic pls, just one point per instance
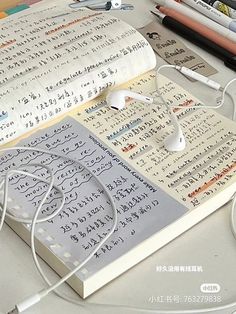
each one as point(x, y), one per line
point(175, 144)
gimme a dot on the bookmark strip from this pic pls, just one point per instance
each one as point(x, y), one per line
point(173, 51)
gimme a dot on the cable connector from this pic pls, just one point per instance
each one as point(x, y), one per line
point(26, 304)
point(196, 76)
point(14, 311)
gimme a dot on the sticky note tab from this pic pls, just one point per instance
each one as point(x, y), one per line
point(17, 9)
point(3, 14)
point(30, 2)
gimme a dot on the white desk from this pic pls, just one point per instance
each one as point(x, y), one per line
point(210, 244)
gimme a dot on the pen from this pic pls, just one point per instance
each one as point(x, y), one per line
point(186, 32)
point(212, 13)
point(222, 7)
point(198, 17)
point(201, 29)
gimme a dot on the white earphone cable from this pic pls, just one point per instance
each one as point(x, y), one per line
point(53, 287)
point(32, 300)
point(224, 91)
point(29, 302)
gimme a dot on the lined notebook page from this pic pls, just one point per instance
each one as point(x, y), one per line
point(136, 133)
point(152, 188)
point(54, 59)
point(143, 208)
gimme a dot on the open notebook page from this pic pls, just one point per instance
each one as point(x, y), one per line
point(143, 208)
point(57, 58)
point(151, 187)
point(136, 133)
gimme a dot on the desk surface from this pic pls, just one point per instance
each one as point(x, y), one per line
point(209, 245)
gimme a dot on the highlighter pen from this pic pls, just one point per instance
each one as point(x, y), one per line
point(201, 29)
point(201, 41)
point(230, 3)
point(212, 13)
point(198, 17)
point(222, 7)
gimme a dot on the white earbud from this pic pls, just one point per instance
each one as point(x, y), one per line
point(174, 142)
point(116, 99)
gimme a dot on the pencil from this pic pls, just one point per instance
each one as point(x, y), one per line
point(201, 29)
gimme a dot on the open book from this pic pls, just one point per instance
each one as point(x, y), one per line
point(158, 194)
point(56, 59)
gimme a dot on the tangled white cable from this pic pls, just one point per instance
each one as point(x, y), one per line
point(37, 297)
point(20, 307)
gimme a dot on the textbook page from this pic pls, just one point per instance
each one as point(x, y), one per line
point(136, 134)
point(56, 58)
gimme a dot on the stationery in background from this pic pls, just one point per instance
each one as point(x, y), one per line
point(212, 13)
point(198, 39)
point(222, 7)
point(103, 6)
point(201, 29)
point(198, 17)
point(173, 50)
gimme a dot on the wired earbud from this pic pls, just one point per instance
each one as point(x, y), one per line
point(117, 100)
point(176, 141)
point(173, 142)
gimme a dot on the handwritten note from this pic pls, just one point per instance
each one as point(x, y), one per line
point(143, 208)
point(55, 59)
point(136, 133)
